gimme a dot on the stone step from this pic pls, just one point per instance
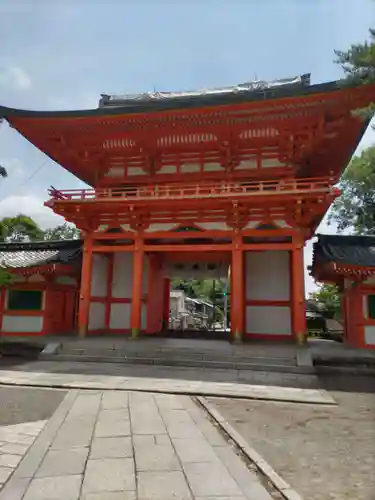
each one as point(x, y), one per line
point(178, 355)
point(232, 364)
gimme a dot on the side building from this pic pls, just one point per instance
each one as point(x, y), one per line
point(349, 262)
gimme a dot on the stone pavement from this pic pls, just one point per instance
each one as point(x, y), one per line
point(119, 445)
point(15, 440)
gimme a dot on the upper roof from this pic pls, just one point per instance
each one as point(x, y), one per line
point(139, 136)
point(146, 103)
point(38, 253)
point(204, 95)
point(343, 249)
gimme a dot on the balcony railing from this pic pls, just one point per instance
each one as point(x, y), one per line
point(196, 191)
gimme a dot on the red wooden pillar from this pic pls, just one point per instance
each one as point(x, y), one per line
point(136, 306)
point(298, 292)
point(237, 290)
point(84, 296)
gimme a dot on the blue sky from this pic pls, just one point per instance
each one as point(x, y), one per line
point(61, 54)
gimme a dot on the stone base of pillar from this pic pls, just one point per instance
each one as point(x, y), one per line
point(135, 333)
point(82, 331)
point(301, 338)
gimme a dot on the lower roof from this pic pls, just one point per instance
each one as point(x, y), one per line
point(38, 253)
point(343, 249)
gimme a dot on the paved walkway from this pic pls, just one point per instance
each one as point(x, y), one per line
point(119, 445)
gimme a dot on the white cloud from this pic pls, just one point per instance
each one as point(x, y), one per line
point(33, 207)
point(15, 77)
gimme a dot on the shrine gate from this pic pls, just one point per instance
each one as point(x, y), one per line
point(237, 177)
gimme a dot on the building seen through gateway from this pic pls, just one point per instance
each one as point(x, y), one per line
point(235, 178)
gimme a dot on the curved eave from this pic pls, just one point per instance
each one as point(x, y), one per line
point(180, 103)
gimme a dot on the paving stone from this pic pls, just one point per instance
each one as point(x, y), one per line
point(31, 428)
point(185, 430)
point(247, 480)
point(17, 438)
point(110, 495)
point(151, 455)
point(114, 415)
point(163, 486)
point(211, 479)
point(15, 489)
point(112, 429)
point(222, 498)
point(109, 474)
point(112, 447)
point(171, 416)
point(14, 448)
point(115, 399)
point(194, 450)
point(211, 433)
point(63, 462)
point(73, 434)
point(7, 460)
point(147, 426)
point(170, 401)
point(54, 488)
point(85, 404)
point(5, 472)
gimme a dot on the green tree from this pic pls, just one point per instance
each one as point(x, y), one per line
point(327, 299)
point(355, 208)
point(5, 277)
point(19, 228)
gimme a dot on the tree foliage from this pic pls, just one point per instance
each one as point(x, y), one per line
point(327, 299)
point(355, 208)
point(5, 277)
point(19, 228)
point(358, 62)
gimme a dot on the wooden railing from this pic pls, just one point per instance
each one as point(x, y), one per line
point(197, 190)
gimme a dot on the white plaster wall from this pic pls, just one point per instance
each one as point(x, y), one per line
point(120, 316)
point(99, 276)
point(123, 275)
point(273, 320)
point(96, 316)
point(22, 323)
point(267, 275)
point(370, 335)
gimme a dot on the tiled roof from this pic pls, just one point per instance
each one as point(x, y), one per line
point(342, 249)
point(20, 255)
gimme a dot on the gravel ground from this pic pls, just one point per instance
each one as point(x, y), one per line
point(18, 405)
point(323, 452)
